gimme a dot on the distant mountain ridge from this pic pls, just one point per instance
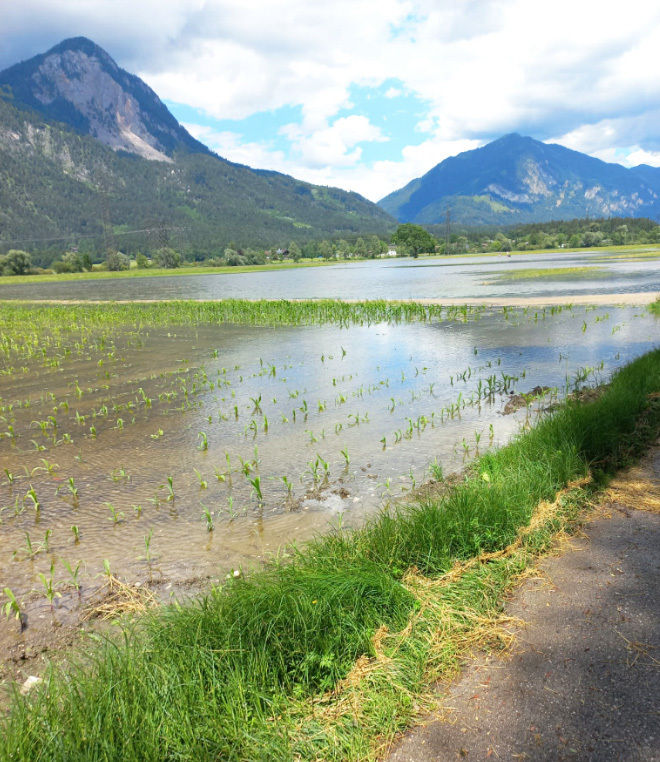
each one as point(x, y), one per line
point(518, 179)
point(81, 139)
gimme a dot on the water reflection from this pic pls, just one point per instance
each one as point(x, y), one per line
point(272, 403)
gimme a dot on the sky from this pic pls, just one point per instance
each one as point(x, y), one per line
point(368, 94)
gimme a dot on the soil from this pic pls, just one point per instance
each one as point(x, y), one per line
point(53, 636)
point(583, 678)
point(517, 401)
point(546, 301)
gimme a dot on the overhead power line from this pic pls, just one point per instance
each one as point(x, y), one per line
point(77, 236)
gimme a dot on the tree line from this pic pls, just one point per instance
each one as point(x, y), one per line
point(573, 234)
point(408, 240)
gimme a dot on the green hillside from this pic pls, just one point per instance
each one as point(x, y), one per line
point(56, 183)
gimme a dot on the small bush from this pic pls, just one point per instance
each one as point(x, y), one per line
point(168, 258)
point(15, 262)
point(117, 261)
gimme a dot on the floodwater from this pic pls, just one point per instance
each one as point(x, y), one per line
point(433, 278)
point(249, 423)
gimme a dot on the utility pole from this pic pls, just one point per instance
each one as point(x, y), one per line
point(108, 234)
point(447, 229)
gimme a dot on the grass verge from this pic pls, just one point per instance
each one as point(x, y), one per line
point(654, 307)
point(327, 654)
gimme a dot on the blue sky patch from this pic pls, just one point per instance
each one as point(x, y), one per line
point(393, 109)
point(260, 127)
point(389, 106)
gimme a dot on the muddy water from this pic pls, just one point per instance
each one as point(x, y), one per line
point(249, 424)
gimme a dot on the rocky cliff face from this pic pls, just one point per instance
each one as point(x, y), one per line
point(78, 83)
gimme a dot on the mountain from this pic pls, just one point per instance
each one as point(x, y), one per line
point(85, 146)
point(78, 83)
point(518, 179)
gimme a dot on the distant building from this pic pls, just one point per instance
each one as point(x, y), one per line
point(391, 251)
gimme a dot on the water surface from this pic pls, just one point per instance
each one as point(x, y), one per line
point(433, 278)
point(217, 407)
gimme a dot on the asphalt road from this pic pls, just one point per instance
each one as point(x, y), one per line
point(583, 680)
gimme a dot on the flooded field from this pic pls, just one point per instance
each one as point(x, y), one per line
point(555, 273)
point(169, 454)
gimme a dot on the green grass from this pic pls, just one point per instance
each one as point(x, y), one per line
point(624, 256)
point(244, 672)
point(553, 273)
point(17, 318)
point(150, 272)
point(613, 251)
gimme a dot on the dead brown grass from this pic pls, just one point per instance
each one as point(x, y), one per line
point(116, 598)
point(635, 488)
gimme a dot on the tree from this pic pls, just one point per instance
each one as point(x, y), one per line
point(591, 238)
point(461, 245)
point(233, 258)
point(15, 262)
point(254, 257)
point(360, 248)
point(294, 251)
point(117, 261)
point(142, 261)
point(621, 234)
point(502, 243)
point(414, 238)
point(343, 249)
point(71, 262)
point(375, 246)
point(537, 239)
point(325, 249)
point(168, 258)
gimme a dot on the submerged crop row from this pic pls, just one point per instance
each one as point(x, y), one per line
point(211, 679)
point(330, 419)
point(19, 318)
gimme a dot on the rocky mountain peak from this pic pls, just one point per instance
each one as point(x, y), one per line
point(78, 83)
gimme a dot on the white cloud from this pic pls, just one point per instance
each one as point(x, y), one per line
point(627, 140)
point(583, 71)
point(640, 156)
point(230, 146)
point(345, 171)
point(329, 146)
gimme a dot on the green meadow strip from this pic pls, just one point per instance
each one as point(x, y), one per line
point(16, 317)
point(158, 272)
point(269, 666)
point(552, 273)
